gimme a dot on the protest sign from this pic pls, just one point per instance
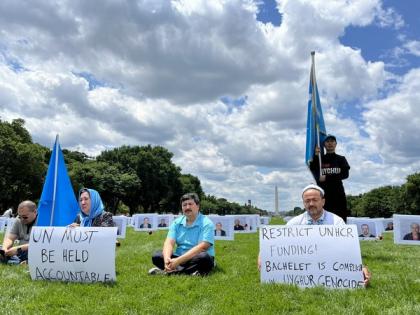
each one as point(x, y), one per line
point(223, 227)
point(3, 222)
point(311, 255)
point(83, 254)
point(121, 223)
point(406, 229)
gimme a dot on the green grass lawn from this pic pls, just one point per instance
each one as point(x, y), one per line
point(233, 288)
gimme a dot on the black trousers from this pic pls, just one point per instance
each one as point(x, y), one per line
point(202, 262)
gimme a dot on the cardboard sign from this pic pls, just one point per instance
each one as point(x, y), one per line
point(311, 255)
point(83, 254)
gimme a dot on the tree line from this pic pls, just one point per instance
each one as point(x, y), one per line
point(387, 200)
point(130, 179)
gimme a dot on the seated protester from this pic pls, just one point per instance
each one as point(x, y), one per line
point(193, 236)
point(92, 213)
point(21, 231)
point(315, 214)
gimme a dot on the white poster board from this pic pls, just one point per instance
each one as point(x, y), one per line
point(121, 223)
point(145, 222)
point(265, 220)
point(368, 229)
point(244, 223)
point(82, 254)
point(388, 224)
point(405, 228)
point(311, 255)
point(164, 221)
point(223, 227)
point(3, 222)
point(10, 222)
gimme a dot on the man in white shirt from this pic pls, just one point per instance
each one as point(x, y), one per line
point(315, 214)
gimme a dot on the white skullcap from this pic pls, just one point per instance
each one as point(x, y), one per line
point(313, 186)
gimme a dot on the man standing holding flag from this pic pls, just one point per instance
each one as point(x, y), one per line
point(330, 169)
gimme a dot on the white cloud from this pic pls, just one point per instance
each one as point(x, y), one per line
point(163, 66)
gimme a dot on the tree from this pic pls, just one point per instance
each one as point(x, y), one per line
point(410, 192)
point(113, 185)
point(22, 165)
point(159, 176)
point(381, 202)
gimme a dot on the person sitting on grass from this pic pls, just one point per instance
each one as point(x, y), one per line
point(92, 211)
point(21, 232)
point(193, 236)
point(315, 214)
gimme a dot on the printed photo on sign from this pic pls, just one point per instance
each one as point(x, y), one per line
point(164, 221)
point(255, 221)
point(265, 220)
point(406, 229)
point(121, 223)
point(368, 229)
point(145, 222)
point(3, 222)
point(223, 227)
point(243, 224)
point(10, 222)
point(82, 254)
point(311, 255)
point(388, 224)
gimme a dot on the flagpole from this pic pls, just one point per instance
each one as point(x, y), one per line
point(314, 106)
point(55, 180)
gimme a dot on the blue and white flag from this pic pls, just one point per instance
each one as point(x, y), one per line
point(58, 205)
point(315, 126)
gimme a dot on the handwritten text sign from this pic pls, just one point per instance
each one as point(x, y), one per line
point(83, 254)
point(311, 255)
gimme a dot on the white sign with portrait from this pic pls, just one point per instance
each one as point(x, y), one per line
point(10, 222)
point(145, 221)
point(223, 227)
point(368, 229)
point(82, 254)
point(264, 220)
point(244, 223)
point(164, 221)
point(3, 222)
point(406, 229)
point(121, 224)
point(311, 255)
point(388, 224)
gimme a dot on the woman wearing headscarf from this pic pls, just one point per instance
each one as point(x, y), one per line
point(92, 210)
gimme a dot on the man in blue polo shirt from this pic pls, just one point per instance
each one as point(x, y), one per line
point(192, 237)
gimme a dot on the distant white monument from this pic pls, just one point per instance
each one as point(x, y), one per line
point(276, 201)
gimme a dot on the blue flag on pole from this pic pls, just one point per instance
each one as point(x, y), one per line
point(315, 126)
point(58, 205)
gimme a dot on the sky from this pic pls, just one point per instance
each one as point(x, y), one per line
point(222, 84)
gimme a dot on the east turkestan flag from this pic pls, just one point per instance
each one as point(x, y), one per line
point(315, 126)
point(58, 205)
